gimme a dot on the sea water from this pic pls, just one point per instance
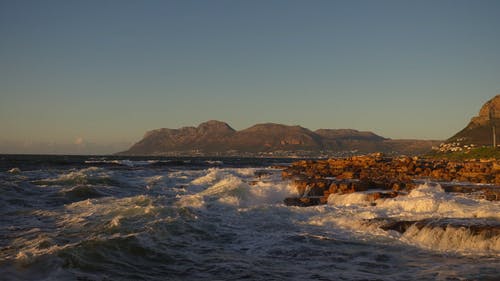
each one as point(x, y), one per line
point(113, 218)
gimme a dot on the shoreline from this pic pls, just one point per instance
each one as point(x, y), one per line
point(389, 177)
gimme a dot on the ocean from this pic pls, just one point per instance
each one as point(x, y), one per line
point(153, 218)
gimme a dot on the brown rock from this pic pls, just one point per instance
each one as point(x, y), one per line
point(362, 173)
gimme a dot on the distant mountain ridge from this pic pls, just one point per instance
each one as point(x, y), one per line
point(268, 139)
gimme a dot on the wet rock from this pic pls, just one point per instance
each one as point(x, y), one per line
point(362, 173)
point(485, 227)
point(490, 193)
point(381, 195)
point(302, 201)
point(262, 173)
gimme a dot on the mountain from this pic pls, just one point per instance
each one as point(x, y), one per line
point(214, 137)
point(210, 136)
point(268, 139)
point(479, 130)
point(349, 140)
point(348, 134)
point(272, 137)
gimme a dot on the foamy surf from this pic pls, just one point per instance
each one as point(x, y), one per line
point(224, 222)
point(427, 218)
point(231, 187)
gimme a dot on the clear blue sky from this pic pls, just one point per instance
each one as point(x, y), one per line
point(104, 72)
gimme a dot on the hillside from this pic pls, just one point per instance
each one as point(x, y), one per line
point(210, 136)
point(479, 130)
point(268, 139)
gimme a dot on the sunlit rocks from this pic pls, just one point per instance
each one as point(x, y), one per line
point(323, 178)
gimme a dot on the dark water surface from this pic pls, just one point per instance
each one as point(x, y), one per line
point(154, 218)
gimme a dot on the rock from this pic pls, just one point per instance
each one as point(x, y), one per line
point(484, 227)
point(262, 173)
point(381, 195)
point(478, 131)
point(362, 173)
point(302, 201)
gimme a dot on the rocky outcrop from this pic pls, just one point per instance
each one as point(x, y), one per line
point(268, 139)
point(384, 177)
point(491, 109)
point(479, 130)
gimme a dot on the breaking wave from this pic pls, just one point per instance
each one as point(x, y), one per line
point(427, 217)
point(97, 223)
point(91, 176)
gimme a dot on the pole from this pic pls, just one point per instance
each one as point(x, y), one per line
point(493, 129)
point(494, 136)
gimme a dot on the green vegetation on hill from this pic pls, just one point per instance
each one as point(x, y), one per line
point(475, 153)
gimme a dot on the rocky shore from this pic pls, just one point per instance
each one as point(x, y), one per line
point(386, 177)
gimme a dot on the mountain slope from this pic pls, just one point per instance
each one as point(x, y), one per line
point(209, 136)
point(218, 138)
point(270, 136)
point(349, 140)
point(479, 130)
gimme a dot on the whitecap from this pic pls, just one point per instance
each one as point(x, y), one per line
point(14, 171)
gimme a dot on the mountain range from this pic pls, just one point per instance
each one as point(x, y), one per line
point(269, 139)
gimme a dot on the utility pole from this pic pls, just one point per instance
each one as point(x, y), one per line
point(493, 129)
point(494, 137)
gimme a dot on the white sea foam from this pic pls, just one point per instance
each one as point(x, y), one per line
point(349, 199)
point(216, 174)
point(99, 213)
point(194, 201)
point(431, 201)
point(427, 200)
point(230, 187)
point(455, 239)
point(214, 162)
point(214, 190)
point(351, 212)
point(197, 218)
point(125, 162)
point(14, 171)
point(82, 176)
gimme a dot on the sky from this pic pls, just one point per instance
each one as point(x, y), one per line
point(94, 76)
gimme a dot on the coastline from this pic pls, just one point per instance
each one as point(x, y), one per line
point(382, 177)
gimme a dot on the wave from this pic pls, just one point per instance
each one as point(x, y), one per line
point(214, 162)
point(14, 171)
point(466, 236)
point(427, 200)
point(427, 217)
point(193, 223)
point(232, 187)
point(475, 237)
point(81, 192)
point(86, 176)
point(125, 162)
point(145, 163)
